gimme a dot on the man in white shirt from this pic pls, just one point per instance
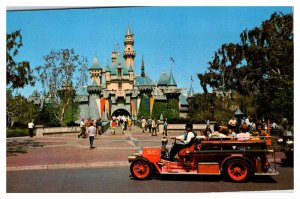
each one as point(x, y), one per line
point(82, 127)
point(91, 132)
point(185, 140)
point(30, 127)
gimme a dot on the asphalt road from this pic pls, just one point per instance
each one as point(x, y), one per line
point(117, 180)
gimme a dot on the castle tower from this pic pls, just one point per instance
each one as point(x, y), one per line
point(171, 81)
point(114, 55)
point(191, 91)
point(96, 71)
point(129, 53)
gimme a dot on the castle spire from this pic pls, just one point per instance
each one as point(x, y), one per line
point(129, 32)
point(129, 53)
point(171, 80)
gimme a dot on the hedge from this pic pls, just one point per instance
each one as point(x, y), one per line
point(17, 132)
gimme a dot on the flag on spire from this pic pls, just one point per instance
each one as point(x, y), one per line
point(172, 60)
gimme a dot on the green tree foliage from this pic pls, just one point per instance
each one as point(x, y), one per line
point(48, 114)
point(261, 65)
point(72, 113)
point(19, 109)
point(202, 105)
point(143, 111)
point(62, 74)
point(169, 109)
point(18, 74)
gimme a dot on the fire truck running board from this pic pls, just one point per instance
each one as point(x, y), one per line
point(267, 174)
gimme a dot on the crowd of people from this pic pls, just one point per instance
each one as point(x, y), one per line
point(242, 128)
point(246, 128)
point(125, 122)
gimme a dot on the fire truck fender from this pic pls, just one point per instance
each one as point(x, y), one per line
point(238, 158)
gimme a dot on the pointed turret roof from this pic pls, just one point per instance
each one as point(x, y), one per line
point(119, 64)
point(95, 65)
point(130, 68)
point(107, 68)
point(83, 91)
point(171, 80)
point(129, 32)
point(163, 80)
point(94, 83)
point(191, 91)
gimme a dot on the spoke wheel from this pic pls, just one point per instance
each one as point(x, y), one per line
point(237, 170)
point(140, 169)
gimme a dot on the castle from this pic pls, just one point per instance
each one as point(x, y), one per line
point(117, 90)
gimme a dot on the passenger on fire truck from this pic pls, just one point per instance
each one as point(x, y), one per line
point(185, 139)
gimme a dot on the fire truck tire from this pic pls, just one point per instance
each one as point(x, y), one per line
point(237, 170)
point(141, 169)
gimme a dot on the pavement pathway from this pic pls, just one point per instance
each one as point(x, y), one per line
point(67, 151)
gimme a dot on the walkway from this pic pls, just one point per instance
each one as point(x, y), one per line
point(68, 151)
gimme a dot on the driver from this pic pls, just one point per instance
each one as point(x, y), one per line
point(185, 139)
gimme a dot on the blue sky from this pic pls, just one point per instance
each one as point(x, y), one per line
point(189, 35)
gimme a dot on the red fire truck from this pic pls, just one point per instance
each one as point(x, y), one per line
point(238, 160)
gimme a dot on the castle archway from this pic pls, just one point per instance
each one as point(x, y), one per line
point(121, 112)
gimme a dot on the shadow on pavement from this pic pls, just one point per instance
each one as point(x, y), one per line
point(13, 148)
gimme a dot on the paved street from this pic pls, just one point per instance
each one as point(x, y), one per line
point(65, 163)
point(117, 180)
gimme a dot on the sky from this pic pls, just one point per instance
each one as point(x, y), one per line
point(190, 35)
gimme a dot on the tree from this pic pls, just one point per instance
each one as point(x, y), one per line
point(200, 107)
point(62, 74)
point(169, 109)
point(18, 74)
point(72, 113)
point(19, 109)
point(261, 65)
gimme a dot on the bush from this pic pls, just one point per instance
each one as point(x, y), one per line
point(180, 120)
point(16, 132)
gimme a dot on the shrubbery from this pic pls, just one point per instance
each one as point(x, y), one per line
point(16, 132)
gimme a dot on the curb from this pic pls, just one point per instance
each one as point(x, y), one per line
point(70, 166)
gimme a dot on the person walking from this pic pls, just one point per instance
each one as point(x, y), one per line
point(153, 125)
point(30, 128)
point(82, 127)
point(149, 124)
point(123, 127)
point(98, 127)
point(113, 127)
point(143, 121)
point(165, 131)
point(129, 123)
point(91, 132)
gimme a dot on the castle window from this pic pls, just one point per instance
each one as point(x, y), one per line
point(128, 48)
point(119, 72)
point(120, 86)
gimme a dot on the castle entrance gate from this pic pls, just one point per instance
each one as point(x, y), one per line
point(120, 112)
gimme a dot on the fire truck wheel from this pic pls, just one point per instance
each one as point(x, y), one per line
point(141, 169)
point(237, 170)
